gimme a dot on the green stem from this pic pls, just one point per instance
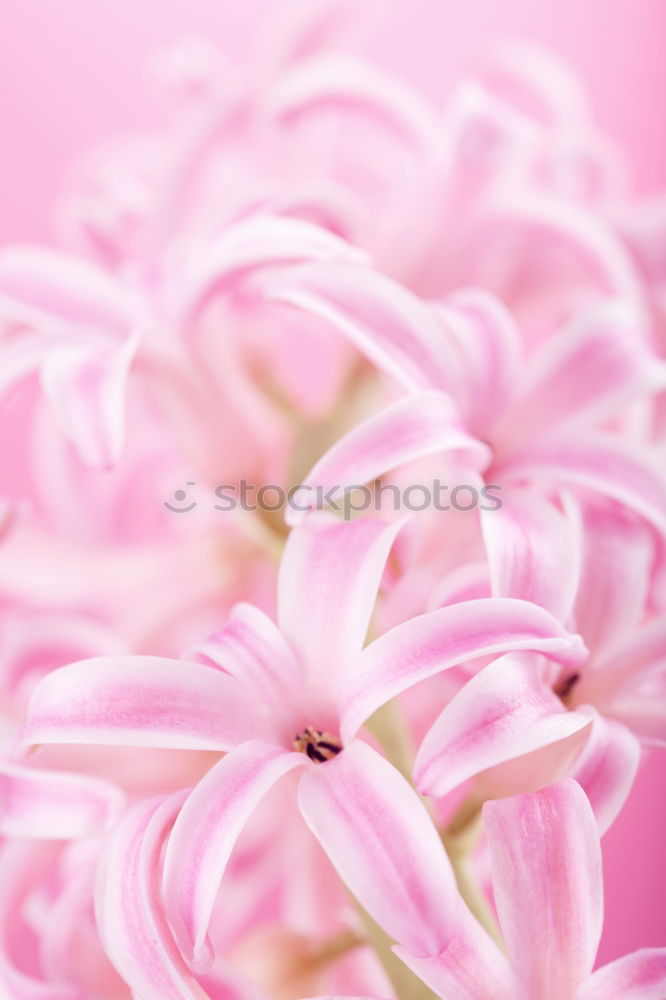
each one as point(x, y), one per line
point(406, 985)
point(388, 726)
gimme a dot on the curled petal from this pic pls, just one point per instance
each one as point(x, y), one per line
point(639, 657)
point(343, 83)
point(617, 556)
point(24, 864)
point(600, 463)
point(85, 384)
point(41, 288)
point(142, 701)
point(82, 334)
point(606, 767)
point(598, 363)
point(388, 324)
point(471, 967)
point(129, 910)
point(253, 650)
point(533, 551)
point(503, 712)
point(547, 231)
point(248, 248)
point(535, 81)
point(304, 29)
point(412, 428)
point(206, 831)
point(546, 868)
point(640, 976)
point(424, 646)
point(328, 583)
point(54, 804)
point(488, 340)
point(384, 846)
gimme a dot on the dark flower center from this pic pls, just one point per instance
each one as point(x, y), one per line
point(318, 746)
point(565, 686)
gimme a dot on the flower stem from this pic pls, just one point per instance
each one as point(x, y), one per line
point(406, 985)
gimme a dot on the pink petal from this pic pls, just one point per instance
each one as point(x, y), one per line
point(489, 344)
point(383, 845)
point(329, 578)
point(640, 976)
point(547, 232)
point(129, 909)
point(533, 551)
point(471, 968)
point(302, 29)
point(617, 556)
point(394, 328)
point(606, 766)
point(24, 864)
point(546, 868)
point(142, 701)
point(85, 383)
point(424, 646)
point(600, 463)
point(597, 364)
point(419, 425)
point(88, 324)
point(54, 804)
point(42, 287)
point(206, 831)
point(342, 83)
point(536, 82)
point(252, 649)
point(637, 658)
point(248, 248)
point(503, 712)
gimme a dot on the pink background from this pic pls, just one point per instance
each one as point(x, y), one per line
point(71, 74)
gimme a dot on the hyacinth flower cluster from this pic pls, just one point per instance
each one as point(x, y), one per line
point(331, 750)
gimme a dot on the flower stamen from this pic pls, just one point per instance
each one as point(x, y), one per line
point(319, 746)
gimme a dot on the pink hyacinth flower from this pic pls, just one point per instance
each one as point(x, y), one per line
point(262, 693)
point(591, 719)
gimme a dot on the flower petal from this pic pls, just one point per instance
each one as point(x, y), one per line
point(419, 425)
point(394, 328)
point(142, 701)
point(501, 713)
point(637, 658)
point(305, 28)
point(546, 868)
point(600, 463)
point(249, 247)
point(344, 83)
point(617, 556)
point(40, 287)
point(206, 831)
point(471, 968)
point(89, 325)
point(533, 551)
point(488, 340)
point(424, 646)
point(639, 976)
point(85, 384)
point(595, 365)
point(129, 910)
point(253, 650)
point(329, 578)
point(383, 845)
point(606, 766)
point(24, 865)
point(54, 804)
